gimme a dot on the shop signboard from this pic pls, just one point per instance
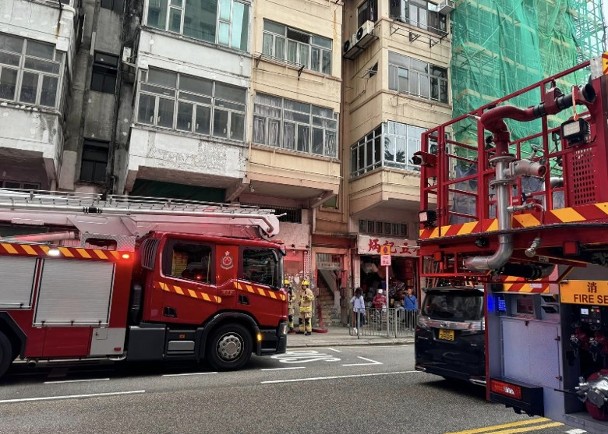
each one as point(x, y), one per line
point(373, 245)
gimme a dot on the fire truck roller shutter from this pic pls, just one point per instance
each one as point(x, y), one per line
point(74, 293)
point(17, 282)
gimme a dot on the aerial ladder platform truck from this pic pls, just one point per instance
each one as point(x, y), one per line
point(88, 277)
point(514, 197)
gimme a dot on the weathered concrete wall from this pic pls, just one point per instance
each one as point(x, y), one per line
point(190, 158)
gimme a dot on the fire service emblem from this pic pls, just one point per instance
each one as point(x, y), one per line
point(227, 263)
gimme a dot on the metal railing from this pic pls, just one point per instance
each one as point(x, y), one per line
point(392, 323)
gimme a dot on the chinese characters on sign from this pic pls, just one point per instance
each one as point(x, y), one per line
point(371, 245)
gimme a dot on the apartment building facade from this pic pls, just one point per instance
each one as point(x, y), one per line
point(311, 107)
point(396, 85)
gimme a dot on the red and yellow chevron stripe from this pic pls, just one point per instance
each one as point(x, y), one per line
point(246, 287)
point(18, 249)
point(187, 292)
point(518, 284)
point(583, 213)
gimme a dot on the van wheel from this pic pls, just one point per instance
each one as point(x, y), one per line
point(6, 354)
point(229, 348)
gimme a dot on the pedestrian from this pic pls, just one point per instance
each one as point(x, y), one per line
point(358, 306)
point(410, 306)
point(379, 301)
point(306, 299)
point(292, 304)
point(410, 302)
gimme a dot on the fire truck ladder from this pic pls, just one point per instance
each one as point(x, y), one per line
point(125, 218)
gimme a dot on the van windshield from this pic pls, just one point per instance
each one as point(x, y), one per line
point(453, 305)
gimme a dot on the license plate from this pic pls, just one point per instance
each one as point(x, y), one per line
point(446, 335)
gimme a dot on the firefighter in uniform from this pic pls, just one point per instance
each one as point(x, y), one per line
point(291, 297)
point(306, 299)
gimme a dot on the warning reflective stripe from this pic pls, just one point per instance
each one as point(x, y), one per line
point(83, 253)
point(188, 292)
point(259, 291)
point(29, 250)
point(66, 252)
point(518, 284)
point(591, 212)
point(10, 249)
point(100, 254)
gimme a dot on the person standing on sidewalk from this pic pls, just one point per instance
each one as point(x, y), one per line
point(306, 299)
point(358, 305)
point(410, 306)
point(291, 297)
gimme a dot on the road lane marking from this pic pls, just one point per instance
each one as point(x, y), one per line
point(527, 429)
point(304, 356)
point(576, 431)
point(334, 377)
point(187, 374)
point(333, 349)
point(56, 398)
point(76, 381)
point(283, 369)
point(371, 362)
point(512, 427)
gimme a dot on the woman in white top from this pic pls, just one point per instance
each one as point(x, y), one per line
point(358, 305)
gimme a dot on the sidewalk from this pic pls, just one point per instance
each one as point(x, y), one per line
point(338, 336)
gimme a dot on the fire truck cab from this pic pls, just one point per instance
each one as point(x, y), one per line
point(90, 278)
point(514, 197)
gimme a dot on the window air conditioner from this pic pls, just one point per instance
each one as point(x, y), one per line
point(365, 34)
point(349, 48)
point(446, 6)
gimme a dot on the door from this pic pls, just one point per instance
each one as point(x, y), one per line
point(188, 281)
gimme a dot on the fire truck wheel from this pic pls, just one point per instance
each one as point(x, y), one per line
point(6, 354)
point(229, 348)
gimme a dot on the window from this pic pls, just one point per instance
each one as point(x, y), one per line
point(189, 260)
point(94, 161)
point(113, 5)
point(297, 47)
point(261, 266)
point(372, 227)
point(294, 125)
point(192, 104)
point(419, 13)
point(366, 154)
point(105, 69)
point(223, 22)
point(414, 77)
point(19, 185)
point(392, 144)
point(291, 215)
point(368, 11)
point(30, 71)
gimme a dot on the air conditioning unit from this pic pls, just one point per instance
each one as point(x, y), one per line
point(365, 34)
point(349, 48)
point(445, 7)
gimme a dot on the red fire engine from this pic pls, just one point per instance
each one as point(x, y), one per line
point(514, 196)
point(84, 277)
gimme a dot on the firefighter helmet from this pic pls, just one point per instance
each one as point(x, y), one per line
point(286, 282)
point(305, 282)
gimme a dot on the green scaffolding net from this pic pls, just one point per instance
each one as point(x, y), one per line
point(501, 46)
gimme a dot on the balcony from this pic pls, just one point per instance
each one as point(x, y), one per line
point(302, 178)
